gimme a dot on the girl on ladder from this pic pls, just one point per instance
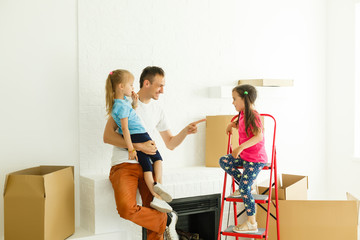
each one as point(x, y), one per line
point(250, 154)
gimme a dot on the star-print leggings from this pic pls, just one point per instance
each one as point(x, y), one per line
point(244, 180)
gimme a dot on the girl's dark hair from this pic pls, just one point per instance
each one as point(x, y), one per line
point(149, 73)
point(248, 93)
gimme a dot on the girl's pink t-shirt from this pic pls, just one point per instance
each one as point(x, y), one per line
point(255, 153)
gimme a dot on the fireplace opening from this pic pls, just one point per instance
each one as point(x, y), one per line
point(198, 215)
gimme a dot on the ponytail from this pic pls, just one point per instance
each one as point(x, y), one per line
point(114, 78)
point(250, 118)
point(109, 96)
point(248, 93)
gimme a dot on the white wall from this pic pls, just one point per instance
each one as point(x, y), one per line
point(208, 43)
point(343, 168)
point(39, 87)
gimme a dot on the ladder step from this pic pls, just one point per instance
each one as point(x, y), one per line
point(258, 198)
point(229, 232)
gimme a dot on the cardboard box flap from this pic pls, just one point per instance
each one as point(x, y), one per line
point(351, 197)
point(28, 171)
point(31, 186)
point(295, 187)
point(59, 191)
point(288, 180)
point(40, 171)
point(292, 187)
point(54, 176)
point(50, 169)
point(5, 184)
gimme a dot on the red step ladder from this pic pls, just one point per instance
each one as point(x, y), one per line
point(259, 199)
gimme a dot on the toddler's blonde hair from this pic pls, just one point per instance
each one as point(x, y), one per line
point(114, 78)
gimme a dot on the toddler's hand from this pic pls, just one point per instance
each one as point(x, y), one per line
point(134, 96)
point(135, 99)
point(133, 155)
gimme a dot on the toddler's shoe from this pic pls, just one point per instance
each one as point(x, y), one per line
point(246, 227)
point(159, 189)
point(160, 205)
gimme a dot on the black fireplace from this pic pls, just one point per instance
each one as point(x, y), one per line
point(197, 215)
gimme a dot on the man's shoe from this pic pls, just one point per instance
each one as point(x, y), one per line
point(160, 205)
point(159, 189)
point(170, 231)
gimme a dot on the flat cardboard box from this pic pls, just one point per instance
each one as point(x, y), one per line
point(268, 82)
point(217, 139)
point(292, 187)
point(39, 203)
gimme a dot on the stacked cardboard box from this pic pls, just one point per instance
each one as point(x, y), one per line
point(217, 139)
point(39, 203)
point(306, 219)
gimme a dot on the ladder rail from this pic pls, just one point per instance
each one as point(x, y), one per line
point(233, 181)
point(229, 150)
point(272, 173)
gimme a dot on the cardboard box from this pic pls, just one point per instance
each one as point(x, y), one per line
point(39, 203)
point(314, 220)
point(268, 82)
point(217, 139)
point(310, 220)
point(291, 187)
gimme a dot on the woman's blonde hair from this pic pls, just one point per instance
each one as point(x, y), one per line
point(114, 78)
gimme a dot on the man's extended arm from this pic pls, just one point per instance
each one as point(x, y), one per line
point(114, 138)
point(172, 142)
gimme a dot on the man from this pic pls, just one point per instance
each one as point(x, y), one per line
point(126, 175)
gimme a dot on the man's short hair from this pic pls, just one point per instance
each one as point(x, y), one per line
point(149, 73)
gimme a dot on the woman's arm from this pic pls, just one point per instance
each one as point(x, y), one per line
point(114, 138)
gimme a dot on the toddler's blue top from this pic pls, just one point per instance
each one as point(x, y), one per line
point(122, 109)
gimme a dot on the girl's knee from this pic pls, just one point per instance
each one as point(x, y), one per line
point(221, 163)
